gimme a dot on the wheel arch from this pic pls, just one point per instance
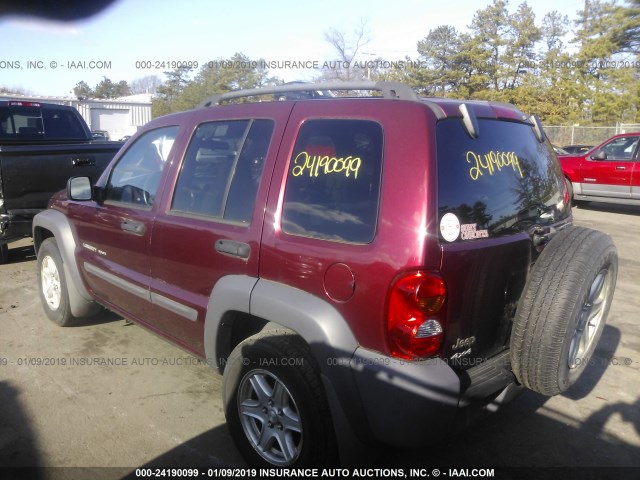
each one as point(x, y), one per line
point(240, 305)
point(54, 224)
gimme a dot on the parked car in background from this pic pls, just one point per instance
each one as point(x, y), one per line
point(576, 149)
point(559, 151)
point(41, 146)
point(607, 173)
point(100, 135)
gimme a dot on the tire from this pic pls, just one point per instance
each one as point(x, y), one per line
point(563, 310)
point(275, 404)
point(53, 284)
point(4, 253)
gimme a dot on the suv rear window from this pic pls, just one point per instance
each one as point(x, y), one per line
point(500, 183)
point(333, 183)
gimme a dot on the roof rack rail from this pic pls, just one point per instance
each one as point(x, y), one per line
point(390, 90)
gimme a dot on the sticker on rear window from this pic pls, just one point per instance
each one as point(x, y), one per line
point(492, 161)
point(449, 227)
point(470, 232)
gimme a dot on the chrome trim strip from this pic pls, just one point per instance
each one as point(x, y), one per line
point(155, 298)
point(118, 282)
point(175, 307)
point(606, 190)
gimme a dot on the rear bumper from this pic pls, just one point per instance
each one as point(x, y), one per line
point(405, 402)
point(14, 227)
point(408, 404)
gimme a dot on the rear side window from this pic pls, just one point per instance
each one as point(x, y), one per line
point(333, 182)
point(500, 183)
point(222, 169)
point(18, 122)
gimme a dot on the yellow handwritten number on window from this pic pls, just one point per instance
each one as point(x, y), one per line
point(491, 162)
point(317, 164)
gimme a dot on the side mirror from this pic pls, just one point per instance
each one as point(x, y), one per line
point(79, 189)
point(600, 155)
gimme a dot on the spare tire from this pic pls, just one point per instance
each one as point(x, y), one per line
point(563, 309)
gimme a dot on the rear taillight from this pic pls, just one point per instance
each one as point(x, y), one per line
point(415, 317)
point(566, 198)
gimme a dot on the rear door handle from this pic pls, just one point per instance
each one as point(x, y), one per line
point(233, 248)
point(621, 167)
point(134, 227)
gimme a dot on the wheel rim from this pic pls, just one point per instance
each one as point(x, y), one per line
point(590, 318)
point(50, 279)
point(270, 417)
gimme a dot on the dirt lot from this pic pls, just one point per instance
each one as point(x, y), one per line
point(109, 394)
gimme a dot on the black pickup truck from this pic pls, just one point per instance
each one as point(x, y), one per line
point(41, 146)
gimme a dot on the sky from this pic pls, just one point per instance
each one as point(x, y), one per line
point(136, 38)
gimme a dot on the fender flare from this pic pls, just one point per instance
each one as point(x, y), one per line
point(319, 324)
point(315, 320)
point(80, 300)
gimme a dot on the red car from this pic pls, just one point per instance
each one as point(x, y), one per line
point(607, 173)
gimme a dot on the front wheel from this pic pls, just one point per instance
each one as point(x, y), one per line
point(275, 403)
point(4, 253)
point(53, 285)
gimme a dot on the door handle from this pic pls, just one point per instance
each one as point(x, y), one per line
point(134, 227)
point(233, 248)
point(83, 162)
point(621, 167)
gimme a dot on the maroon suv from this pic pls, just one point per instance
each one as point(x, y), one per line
point(358, 269)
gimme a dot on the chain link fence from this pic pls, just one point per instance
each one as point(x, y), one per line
point(579, 135)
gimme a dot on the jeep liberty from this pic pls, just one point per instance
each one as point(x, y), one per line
point(360, 269)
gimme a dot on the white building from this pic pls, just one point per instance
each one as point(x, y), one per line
point(120, 116)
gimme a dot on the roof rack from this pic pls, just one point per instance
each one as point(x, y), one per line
point(390, 90)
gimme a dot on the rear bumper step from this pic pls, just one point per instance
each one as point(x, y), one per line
point(489, 377)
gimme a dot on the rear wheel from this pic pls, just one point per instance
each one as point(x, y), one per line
point(275, 404)
point(53, 285)
point(563, 310)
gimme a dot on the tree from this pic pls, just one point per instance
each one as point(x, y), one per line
point(507, 56)
point(625, 31)
point(609, 89)
point(180, 92)
point(439, 51)
point(14, 90)
point(170, 91)
point(148, 84)
point(346, 47)
point(105, 89)
point(83, 90)
point(520, 55)
point(490, 34)
point(550, 89)
point(108, 89)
